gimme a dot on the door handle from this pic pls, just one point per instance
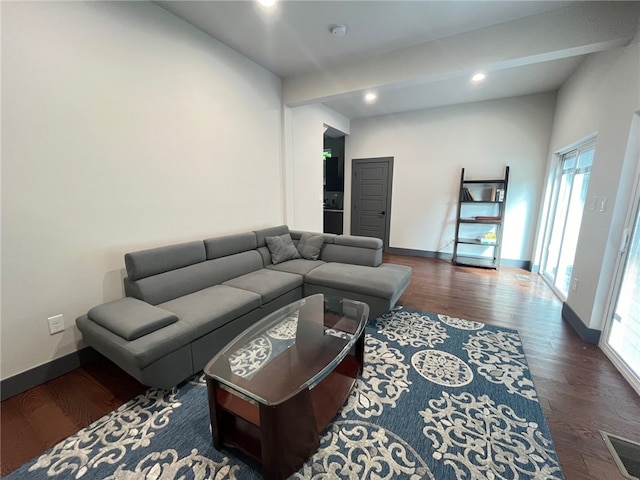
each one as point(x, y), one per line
point(382, 213)
point(624, 243)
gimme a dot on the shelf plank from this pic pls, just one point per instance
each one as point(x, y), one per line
point(470, 261)
point(475, 241)
point(473, 220)
point(483, 182)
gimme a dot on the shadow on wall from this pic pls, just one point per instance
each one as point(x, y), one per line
point(113, 285)
point(447, 234)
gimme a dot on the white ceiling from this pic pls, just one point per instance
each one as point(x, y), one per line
point(414, 54)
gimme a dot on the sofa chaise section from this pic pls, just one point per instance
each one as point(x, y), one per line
point(348, 266)
point(379, 287)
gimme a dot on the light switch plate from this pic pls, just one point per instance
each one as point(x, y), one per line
point(602, 206)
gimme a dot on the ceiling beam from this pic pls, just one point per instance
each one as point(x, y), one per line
point(574, 30)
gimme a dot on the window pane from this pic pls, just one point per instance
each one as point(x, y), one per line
point(585, 159)
point(572, 229)
point(557, 228)
point(569, 162)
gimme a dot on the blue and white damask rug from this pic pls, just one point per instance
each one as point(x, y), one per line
point(440, 398)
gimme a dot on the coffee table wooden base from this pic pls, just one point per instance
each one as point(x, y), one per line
point(282, 437)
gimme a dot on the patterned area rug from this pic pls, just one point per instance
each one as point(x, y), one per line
point(440, 398)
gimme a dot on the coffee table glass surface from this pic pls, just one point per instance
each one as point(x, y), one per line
point(290, 350)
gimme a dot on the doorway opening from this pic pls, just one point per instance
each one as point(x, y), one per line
point(333, 181)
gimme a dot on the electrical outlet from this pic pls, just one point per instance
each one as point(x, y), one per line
point(574, 284)
point(56, 324)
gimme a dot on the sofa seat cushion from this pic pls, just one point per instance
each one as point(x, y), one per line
point(267, 283)
point(202, 312)
point(385, 281)
point(131, 318)
point(300, 266)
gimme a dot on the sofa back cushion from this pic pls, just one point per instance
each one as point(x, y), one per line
point(262, 243)
point(146, 263)
point(176, 283)
point(296, 235)
point(269, 232)
point(229, 244)
point(355, 250)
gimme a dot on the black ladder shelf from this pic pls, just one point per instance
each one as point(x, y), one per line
point(479, 222)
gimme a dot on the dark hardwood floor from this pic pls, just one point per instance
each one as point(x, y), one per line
point(579, 389)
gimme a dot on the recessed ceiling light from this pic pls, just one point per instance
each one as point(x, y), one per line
point(478, 77)
point(370, 97)
point(267, 3)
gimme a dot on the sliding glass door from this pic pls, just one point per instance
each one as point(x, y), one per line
point(623, 330)
point(563, 225)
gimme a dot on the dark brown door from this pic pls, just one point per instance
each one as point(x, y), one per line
point(371, 180)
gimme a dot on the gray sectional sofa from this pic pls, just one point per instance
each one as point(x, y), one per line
point(185, 302)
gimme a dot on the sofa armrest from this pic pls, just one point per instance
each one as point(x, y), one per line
point(131, 318)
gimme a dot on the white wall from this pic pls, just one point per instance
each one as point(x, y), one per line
point(431, 146)
point(304, 163)
point(123, 128)
point(601, 98)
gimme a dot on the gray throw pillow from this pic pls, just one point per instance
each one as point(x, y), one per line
point(281, 248)
point(309, 245)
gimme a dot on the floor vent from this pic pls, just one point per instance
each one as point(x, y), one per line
point(525, 278)
point(626, 454)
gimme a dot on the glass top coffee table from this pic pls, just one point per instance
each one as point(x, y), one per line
point(276, 386)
